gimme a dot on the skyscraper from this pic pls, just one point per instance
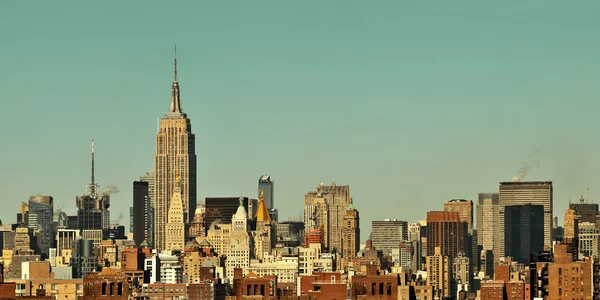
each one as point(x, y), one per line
point(387, 234)
point(266, 185)
point(519, 193)
point(141, 212)
point(327, 206)
point(446, 231)
point(464, 208)
point(523, 231)
point(487, 214)
point(351, 235)
point(92, 208)
point(175, 153)
point(149, 178)
point(40, 217)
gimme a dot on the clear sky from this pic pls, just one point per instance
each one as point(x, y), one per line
point(412, 103)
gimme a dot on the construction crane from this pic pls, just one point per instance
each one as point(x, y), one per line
point(584, 196)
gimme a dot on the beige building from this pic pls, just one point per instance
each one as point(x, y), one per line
point(351, 236)
point(465, 210)
point(487, 219)
point(326, 206)
point(238, 254)
point(439, 273)
point(219, 236)
point(286, 268)
point(520, 193)
point(175, 223)
point(175, 154)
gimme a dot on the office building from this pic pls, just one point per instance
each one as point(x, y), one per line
point(141, 212)
point(326, 206)
point(40, 219)
point(238, 253)
point(487, 219)
point(350, 235)
point(520, 193)
point(266, 185)
point(587, 212)
point(446, 231)
point(523, 231)
point(149, 178)
point(175, 154)
point(388, 234)
point(439, 273)
point(465, 210)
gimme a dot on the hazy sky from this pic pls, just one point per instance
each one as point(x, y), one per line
point(412, 103)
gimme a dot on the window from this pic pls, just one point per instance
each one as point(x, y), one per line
point(54, 287)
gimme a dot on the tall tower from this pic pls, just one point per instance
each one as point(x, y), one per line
point(350, 235)
point(265, 186)
point(175, 224)
point(175, 153)
point(326, 206)
point(519, 193)
point(92, 208)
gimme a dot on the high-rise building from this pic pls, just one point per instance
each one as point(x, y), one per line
point(326, 206)
point(446, 231)
point(141, 213)
point(175, 227)
point(523, 231)
point(589, 241)
point(439, 273)
point(40, 218)
point(519, 193)
point(175, 154)
point(571, 230)
point(464, 208)
point(462, 272)
point(149, 178)
point(568, 279)
point(587, 212)
point(388, 234)
point(351, 234)
point(92, 208)
point(487, 214)
point(266, 185)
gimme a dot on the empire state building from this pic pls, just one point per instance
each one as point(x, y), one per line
point(175, 154)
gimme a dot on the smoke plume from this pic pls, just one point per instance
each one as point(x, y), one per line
point(111, 189)
point(527, 166)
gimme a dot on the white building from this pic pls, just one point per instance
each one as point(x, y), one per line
point(286, 268)
point(238, 254)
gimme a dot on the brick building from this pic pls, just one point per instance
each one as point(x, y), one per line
point(107, 284)
point(568, 279)
point(375, 286)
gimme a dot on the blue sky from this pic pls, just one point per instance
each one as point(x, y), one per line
point(412, 103)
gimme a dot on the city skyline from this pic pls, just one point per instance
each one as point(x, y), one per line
point(396, 121)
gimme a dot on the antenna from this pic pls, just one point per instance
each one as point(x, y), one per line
point(93, 182)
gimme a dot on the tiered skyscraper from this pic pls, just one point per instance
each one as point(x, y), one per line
point(92, 208)
point(175, 154)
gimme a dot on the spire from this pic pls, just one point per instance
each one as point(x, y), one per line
point(93, 181)
point(262, 214)
point(175, 101)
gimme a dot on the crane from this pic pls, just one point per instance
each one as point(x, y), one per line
point(584, 196)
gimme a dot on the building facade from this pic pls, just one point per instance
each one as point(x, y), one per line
point(465, 210)
point(523, 231)
point(40, 219)
point(175, 227)
point(267, 185)
point(446, 231)
point(141, 212)
point(519, 193)
point(388, 234)
point(175, 155)
point(486, 217)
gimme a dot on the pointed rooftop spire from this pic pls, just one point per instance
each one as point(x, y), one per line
point(175, 65)
point(175, 107)
point(262, 213)
point(93, 181)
